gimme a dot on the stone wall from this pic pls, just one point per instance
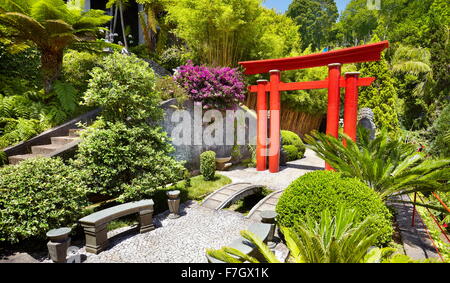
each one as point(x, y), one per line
point(190, 151)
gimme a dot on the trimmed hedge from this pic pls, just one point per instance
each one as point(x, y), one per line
point(208, 165)
point(37, 195)
point(319, 190)
point(291, 152)
point(291, 138)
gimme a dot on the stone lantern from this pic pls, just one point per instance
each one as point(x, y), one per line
point(58, 244)
point(174, 204)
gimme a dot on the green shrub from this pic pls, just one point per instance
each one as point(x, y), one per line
point(77, 66)
point(38, 195)
point(291, 152)
point(167, 89)
point(124, 87)
point(316, 191)
point(127, 162)
point(208, 165)
point(441, 144)
point(291, 138)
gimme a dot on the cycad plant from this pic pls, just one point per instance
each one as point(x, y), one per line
point(389, 166)
point(334, 239)
point(51, 26)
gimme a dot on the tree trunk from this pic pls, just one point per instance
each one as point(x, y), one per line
point(51, 64)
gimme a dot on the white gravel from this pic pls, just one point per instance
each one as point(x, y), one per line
point(182, 240)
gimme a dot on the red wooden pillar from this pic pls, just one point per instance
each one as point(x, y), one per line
point(274, 149)
point(334, 75)
point(351, 104)
point(261, 132)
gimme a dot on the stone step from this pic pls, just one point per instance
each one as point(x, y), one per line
point(74, 132)
point(63, 140)
point(220, 197)
point(45, 149)
point(15, 159)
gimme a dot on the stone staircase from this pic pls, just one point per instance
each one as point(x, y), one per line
point(58, 145)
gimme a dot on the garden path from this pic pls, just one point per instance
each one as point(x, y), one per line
point(280, 180)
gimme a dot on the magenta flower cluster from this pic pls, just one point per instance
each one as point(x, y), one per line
point(218, 88)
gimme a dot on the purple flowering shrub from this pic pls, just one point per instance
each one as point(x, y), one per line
point(219, 88)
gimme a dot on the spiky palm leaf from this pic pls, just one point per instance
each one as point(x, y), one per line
point(390, 167)
point(334, 239)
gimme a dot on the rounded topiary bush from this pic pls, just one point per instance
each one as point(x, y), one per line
point(319, 190)
point(291, 152)
point(38, 195)
point(291, 138)
point(208, 165)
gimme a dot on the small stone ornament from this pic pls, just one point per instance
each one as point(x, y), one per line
point(58, 244)
point(174, 204)
point(268, 217)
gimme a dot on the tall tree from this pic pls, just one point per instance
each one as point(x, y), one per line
point(51, 26)
point(315, 19)
point(381, 96)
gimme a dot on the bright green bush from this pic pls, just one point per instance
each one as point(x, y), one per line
point(124, 87)
point(291, 138)
point(316, 191)
point(291, 152)
point(38, 195)
point(77, 66)
point(208, 165)
point(127, 162)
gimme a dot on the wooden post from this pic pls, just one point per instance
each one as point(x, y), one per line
point(261, 142)
point(275, 101)
point(351, 104)
point(334, 75)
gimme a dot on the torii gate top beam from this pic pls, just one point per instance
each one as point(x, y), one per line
point(363, 53)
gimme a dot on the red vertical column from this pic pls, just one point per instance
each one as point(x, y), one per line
point(334, 75)
point(351, 104)
point(261, 131)
point(274, 149)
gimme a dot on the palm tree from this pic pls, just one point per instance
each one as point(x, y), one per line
point(51, 26)
point(334, 239)
point(390, 167)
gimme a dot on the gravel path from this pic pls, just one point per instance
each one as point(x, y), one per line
point(181, 240)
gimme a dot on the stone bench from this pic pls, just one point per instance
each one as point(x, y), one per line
point(261, 230)
point(95, 224)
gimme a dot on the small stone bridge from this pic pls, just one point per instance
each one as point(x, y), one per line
point(230, 194)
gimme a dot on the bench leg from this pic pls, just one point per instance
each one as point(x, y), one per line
point(96, 238)
point(146, 221)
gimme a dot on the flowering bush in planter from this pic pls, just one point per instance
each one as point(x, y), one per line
point(220, 88)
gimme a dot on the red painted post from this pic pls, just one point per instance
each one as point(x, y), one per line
point(275, 101)
point(261, 133)
point(351, 104)
point(334, 75)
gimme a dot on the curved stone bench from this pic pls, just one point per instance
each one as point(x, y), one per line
point(94, 225)
point(261, 230)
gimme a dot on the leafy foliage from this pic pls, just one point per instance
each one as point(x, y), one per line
point(389, 167)
point(315, 19)
point(224, 32)
point(291, 138)
point(127, 162)
point(381, 96)
point(51, 26)
point(441, 129)
point(317, 191)
point(38, 195)
point(291, 152)
point(124, 87)
point(77, 66)
point(332, 239)
point(167, 88)
point(208, 165)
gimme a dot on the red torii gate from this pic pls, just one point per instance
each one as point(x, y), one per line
point(334, 61)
